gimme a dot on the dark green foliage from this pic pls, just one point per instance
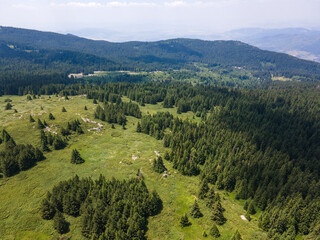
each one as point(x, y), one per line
point(204, 234)
point(8, 106)
point(63, 109)
point(115, 113)
point(214, 231)
point(58, 143)
point(184, 221)
point(31, 119)
point(236, 236)
point(51, 117)
point(154, 204)
point(76, 158)
point(248, 217)
point(60, 224)
point(6, 138)
point(74, 126)
point(158, 165)
point(16, 158)
point(106, 207)
point(138, 127)
point(251, 210)
point(7, 100)
point(204, 188)
point(217, 215)
point(245, 206)
point(47, 210)
point(29, 98)
point(85, 108)
point(67, 52)
point(95, 101)
point(195, 210)
point(210, 197)
point(166, 156)
point(40, 125)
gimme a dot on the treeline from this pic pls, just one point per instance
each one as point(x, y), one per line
point(261, 144)
point(17, 157)
point(109, 209)
point(116, 113)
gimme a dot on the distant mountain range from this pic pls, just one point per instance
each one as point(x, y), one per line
point(298, 42)
point(49, 50)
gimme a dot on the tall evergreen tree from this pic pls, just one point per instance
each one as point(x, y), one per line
point(236, 236)
point(251, 210)
point(51, 117)
point(60, 224)
point(138, 127)
point(217, 215)
point(40, 125)
point(214, 231)
point(63, 109)
point(210, 197)
point(75, 157)
point(184, 221)
point(195, 210)
point(204, 188)
point(8, 106)
point(158, 165)
point(31, 119)
point(47, 210)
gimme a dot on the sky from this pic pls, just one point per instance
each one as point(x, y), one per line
point(119, 20)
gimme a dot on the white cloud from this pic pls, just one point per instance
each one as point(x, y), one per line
point(77, 4)
point(100, 5)
point(175, 4)
point(23, 6)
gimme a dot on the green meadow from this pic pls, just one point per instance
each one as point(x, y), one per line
point(112, 152)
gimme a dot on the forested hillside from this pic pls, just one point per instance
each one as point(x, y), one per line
point(167, 54)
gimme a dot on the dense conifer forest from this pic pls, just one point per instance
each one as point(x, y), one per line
point(249, 139)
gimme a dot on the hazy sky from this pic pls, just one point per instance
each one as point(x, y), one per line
point(160, 18)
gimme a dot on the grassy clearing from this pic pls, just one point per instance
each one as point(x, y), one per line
point(110, 153)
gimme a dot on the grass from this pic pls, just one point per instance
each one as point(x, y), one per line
point(110, 153)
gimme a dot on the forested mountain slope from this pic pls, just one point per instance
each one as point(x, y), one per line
point(167, 54)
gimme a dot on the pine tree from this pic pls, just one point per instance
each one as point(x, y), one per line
point(60, 224)
point(95, 101)
point(236, 236)
point(166, 156)
point(47, 210)
point(63, 109)
point(85, 108)
point(51, 117)
point(210, 197)
point(204, 188)
point(214, 231)
point(195, 210)
point(75, 157)
point(184, 221)
point(31, 119)
point(8, 106)
point(217, 215)
point(158, 165)
point(139, 127)
point(248, 217)
point(245, 207)
point(251, 210)
point(40, 124)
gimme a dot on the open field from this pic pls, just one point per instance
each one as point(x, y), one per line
point(109, 152)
